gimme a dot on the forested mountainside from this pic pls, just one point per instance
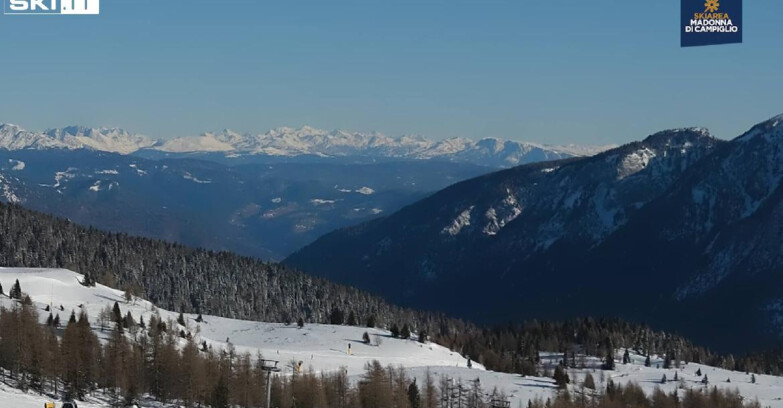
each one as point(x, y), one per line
point(179, 278)
point(679, 230)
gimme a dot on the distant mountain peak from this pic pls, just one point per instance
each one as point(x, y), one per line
point(293, 142)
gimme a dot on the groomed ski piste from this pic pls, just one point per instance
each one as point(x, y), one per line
point(325, 348)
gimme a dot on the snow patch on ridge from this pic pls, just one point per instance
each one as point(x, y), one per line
point(497, 218)
point(462, 221)
point(635, 162)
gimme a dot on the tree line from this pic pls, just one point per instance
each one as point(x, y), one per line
point(153, 360)
point(193, 280)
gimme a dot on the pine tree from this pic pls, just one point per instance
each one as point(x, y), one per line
point(676, 377)
point(698, 372)
point(181, 319)
point(16, 291)
point(647, 362)
point(88, 280)
point(1, 289)
point(199, 318)
point(220, 394)
point(704, 380)
point(371, 321)
point(609, 360)
point(395, 331)
point(300, 322)
point(589, 382)
point(663, 379)
point(423, 337)
point(561, 377)
point(117, 313)
point(56, 322)
point(352, 318)
point(405, 333)
point(626, 357)
point(336, 317)
point(128, 322)
point(413, 395)
point(753, 378)
point(366, 338)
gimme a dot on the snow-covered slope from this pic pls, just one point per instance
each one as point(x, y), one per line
point(103, 139)
point(324, 348)
point(13, 137)
point(288, 142)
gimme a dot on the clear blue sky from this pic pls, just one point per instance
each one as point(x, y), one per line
point(553, 71)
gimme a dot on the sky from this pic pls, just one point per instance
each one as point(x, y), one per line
point(550, 71)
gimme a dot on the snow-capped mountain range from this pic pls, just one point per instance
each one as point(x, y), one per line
point(290, 142)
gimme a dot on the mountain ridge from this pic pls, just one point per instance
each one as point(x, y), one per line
point(684, 222)
point(286, 142)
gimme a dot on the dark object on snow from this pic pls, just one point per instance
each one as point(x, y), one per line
point(69, 404)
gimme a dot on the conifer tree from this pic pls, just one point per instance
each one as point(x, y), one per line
point(181, 319)
point(609, 360)
point(589, 382)
point(561, 377)
point(220, 394)
point(413, 395)
point(663, 379)
point(647, 362)
point(371, 321)
point(352, 318)
point(117, 313)
point(300, 322)
point(395, 331)
point(405, 333)
point(128, 322)
point(336, 317)
point(626, 357)
point(16, 291)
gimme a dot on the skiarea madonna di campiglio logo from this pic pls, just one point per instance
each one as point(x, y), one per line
point(711, 22)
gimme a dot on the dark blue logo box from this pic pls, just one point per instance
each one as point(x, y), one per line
point(710, 22)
